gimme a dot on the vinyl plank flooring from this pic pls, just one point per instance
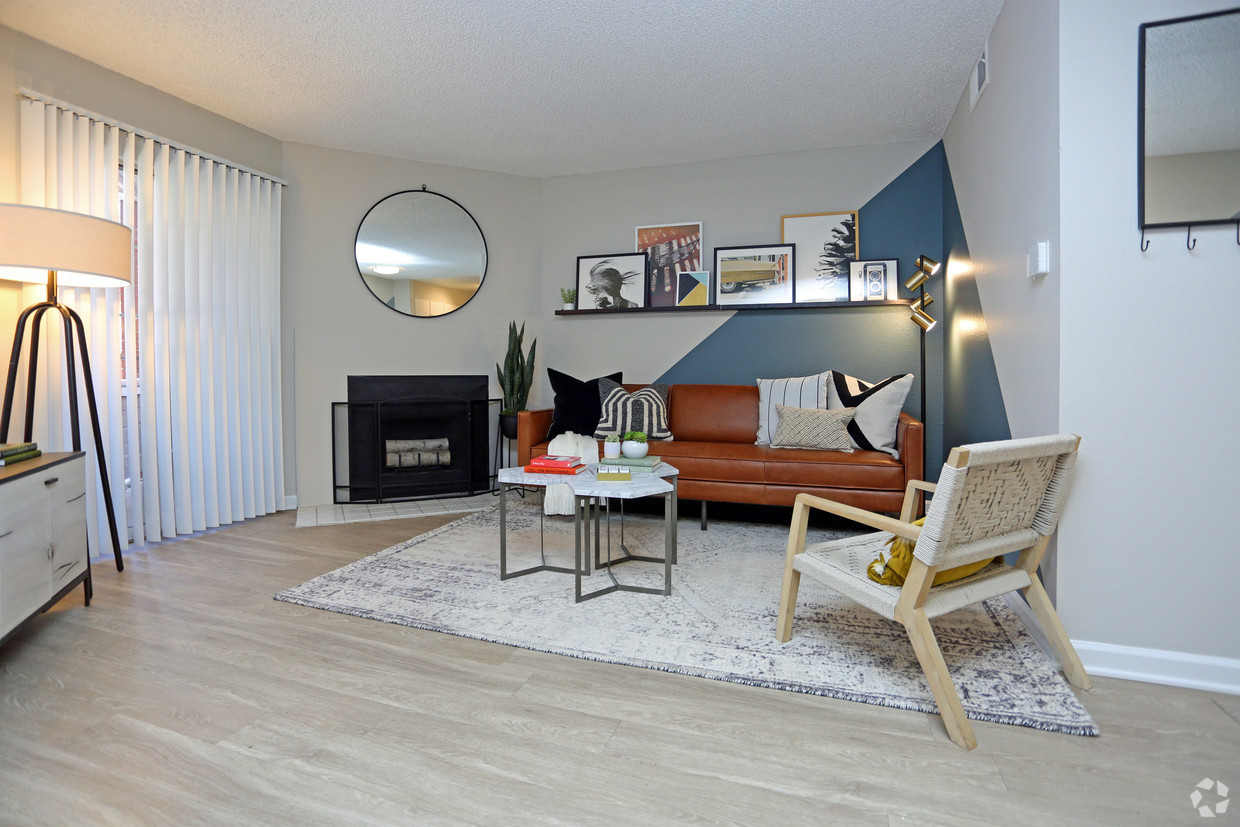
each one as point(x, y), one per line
point(185, 694)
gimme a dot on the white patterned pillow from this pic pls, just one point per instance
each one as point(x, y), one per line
point(795, 392)
point(644, 410)
point(813, 428)
point(878, 408)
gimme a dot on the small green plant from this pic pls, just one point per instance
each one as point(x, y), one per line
point(568, 295)
point(612, 438)
point(636, 436)
point(517, 374)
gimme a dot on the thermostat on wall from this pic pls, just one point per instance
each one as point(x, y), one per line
point(1038, 259)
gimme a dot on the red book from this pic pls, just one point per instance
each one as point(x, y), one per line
point(552, 469)
point(549, 461)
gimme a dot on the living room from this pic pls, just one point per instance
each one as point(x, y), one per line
point(1048, 154)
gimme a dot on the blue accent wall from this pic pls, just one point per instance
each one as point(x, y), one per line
point(915, 214)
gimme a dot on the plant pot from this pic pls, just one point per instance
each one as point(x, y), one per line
point(611, 450)
point(634, 450)
point(508, 425)
point(570, 305)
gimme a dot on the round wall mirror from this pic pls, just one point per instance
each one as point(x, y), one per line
point(421, 253)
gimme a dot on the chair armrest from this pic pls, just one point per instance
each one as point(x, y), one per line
point(880, 521)
point(532, 428)
point(912, 500)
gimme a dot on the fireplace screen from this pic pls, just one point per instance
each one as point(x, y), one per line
point(411, 437)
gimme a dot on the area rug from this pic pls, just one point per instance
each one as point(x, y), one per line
point(719, 621)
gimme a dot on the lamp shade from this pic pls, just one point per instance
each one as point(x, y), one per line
point(85, 251)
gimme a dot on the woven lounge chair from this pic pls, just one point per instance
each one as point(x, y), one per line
point(992, 498)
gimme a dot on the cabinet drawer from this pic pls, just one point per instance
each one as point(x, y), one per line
point(67, 504)
point(25, 568)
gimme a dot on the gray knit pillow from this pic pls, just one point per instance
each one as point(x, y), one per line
point(813, 428)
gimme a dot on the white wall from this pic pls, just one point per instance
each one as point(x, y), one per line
point(1149, 343)
point(738, 201)
point(334, 327)
point(1004, 160)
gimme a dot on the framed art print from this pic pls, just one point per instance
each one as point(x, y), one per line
point(671, 249)
point(873, 281)
point(826, 245)
point(754, 275)
point(693, 288)
point(612, 282)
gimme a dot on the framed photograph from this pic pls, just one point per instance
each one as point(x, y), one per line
point(671, 249)
point(827, 245)
point(614, 282)
point(873, 281)
point(754, 275)
point(693, 288)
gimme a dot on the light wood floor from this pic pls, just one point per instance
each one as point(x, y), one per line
point(185, 695)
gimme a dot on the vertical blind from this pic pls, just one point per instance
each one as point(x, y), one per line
point(187, 377)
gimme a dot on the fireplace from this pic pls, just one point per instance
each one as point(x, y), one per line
point(411, 437)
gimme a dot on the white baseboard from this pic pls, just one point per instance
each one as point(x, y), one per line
point(290, 502)
point(1135, 663)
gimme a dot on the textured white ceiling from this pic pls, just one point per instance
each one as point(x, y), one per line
point(543, 87)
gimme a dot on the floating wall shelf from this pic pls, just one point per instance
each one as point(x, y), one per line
point(718, 308)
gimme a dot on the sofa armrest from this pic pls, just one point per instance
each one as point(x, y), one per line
point(532, 429)
point(910, 442)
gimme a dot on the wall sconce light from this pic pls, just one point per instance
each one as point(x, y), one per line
point(61, 248)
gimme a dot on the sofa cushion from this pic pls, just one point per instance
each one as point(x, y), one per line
point(878, 408)
point(644, 410)
point(794, 392)
point(813, 428)
point(576, 403)
point(714, 413)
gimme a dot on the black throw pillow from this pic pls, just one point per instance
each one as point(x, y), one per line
point(577, 405)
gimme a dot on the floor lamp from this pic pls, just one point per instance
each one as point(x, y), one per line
point(926, 267)
point(67, 249)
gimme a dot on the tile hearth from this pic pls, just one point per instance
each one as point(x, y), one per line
point(316, 515)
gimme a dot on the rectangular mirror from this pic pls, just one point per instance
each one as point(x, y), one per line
point(1188, 133)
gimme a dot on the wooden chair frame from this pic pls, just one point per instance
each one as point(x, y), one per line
point(910, 607)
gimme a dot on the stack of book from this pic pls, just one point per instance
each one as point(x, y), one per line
point(641, 465)
point(551, 464)
point(11, 452)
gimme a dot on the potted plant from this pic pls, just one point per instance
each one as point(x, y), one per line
point(611, 446)
point(568, 295)
point(515, 379)
point(634, 445)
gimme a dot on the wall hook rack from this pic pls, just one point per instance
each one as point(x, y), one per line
point(1189, 241)
point(1145, 245)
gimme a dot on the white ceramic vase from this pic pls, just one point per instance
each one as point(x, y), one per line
point(611, 450)
point(633, 449)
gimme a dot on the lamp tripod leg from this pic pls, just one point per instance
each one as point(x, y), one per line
point(99, 452)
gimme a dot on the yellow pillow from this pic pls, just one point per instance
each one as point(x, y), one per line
point(895, 569)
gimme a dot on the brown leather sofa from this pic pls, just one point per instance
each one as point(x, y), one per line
point(714, 427)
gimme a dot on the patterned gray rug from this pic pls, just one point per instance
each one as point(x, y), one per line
point(719, 621)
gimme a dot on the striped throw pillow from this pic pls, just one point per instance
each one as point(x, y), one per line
point(645, 410)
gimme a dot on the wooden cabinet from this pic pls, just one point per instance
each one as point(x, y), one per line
point(43, 552)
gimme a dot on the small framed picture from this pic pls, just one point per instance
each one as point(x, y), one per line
point(612, 282)
point(754, 275)
point(873, 281)
point(826, 244)
point(672, 249)
point(693, 288)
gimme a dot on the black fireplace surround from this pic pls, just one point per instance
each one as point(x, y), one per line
point(390, 413)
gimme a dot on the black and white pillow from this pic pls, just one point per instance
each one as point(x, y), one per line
point(644, 410)
point(794, 392)
point(878, 408)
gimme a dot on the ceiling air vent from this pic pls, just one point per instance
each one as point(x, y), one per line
point(981, 76)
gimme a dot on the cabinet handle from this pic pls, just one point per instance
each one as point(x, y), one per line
point(51, 552)
point(51, 480)
point(5, 534)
